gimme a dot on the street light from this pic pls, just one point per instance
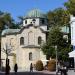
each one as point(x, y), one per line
point(56, 60)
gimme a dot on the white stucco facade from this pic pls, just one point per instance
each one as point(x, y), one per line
point(72, 22)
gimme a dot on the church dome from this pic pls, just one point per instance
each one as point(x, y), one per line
point(35, 13)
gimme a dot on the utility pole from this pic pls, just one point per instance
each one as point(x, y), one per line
point(56, 60)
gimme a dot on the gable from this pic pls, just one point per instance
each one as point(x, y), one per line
point(19, 31)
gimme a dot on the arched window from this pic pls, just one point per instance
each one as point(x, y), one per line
point(22, 41)
point(39, 40)
point(25, 21)
point(30, 56)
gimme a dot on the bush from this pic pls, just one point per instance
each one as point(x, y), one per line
point(39, 65)
point(52, 65)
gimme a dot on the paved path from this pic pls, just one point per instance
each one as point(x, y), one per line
point(71, 72)
point(27, 73)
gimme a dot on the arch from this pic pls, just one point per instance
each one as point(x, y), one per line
point(22, 41)
point(30, 56)
point(39, 40)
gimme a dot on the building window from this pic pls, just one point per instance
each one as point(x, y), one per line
point(22, 41)
point(42, 21)
point(30, 56)
point(25, 21)
point(33, 20)
point(39, 40)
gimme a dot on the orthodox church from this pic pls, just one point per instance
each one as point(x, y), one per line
point(22, 46)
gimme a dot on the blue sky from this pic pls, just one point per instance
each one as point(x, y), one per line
point(21, 7)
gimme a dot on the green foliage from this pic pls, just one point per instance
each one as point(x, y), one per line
point(70, 5)
point(52, 65)
point(20, 20)
point(39, 65)
point(7, 20)
point(55, 38)
point(49, 51)
point(58, 17)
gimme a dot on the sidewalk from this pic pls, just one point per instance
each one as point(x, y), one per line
point(44, 72)
point(47, 72)
point(71, 72)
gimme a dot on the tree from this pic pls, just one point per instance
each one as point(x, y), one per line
point(58, 17)
point(7, 21)
point(55, 37)
point(48, 50)
point(70, 5)
point(1, 21)
point(20, 21)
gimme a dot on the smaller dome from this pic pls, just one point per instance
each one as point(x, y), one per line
point(35, 13)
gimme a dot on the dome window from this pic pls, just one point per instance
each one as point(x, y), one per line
point(25, 21)
point(33, 20)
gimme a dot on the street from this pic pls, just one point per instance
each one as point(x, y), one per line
point(70, 72)
point(27, 73)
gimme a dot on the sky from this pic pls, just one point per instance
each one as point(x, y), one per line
point(20, 7)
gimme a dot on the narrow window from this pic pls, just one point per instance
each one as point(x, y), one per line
point(30, 56)
point(22, 41)
point(39, 40)
point(43, 21)
point(33, 20)
point(25, 21)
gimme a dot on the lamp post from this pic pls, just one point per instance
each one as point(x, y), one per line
point(56, 60)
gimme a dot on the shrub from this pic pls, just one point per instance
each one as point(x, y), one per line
point(39, 65)
point(52, 65)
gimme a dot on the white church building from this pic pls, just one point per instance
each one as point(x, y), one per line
point(23, 45)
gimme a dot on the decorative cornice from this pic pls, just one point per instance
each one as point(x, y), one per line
point(30, 46)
